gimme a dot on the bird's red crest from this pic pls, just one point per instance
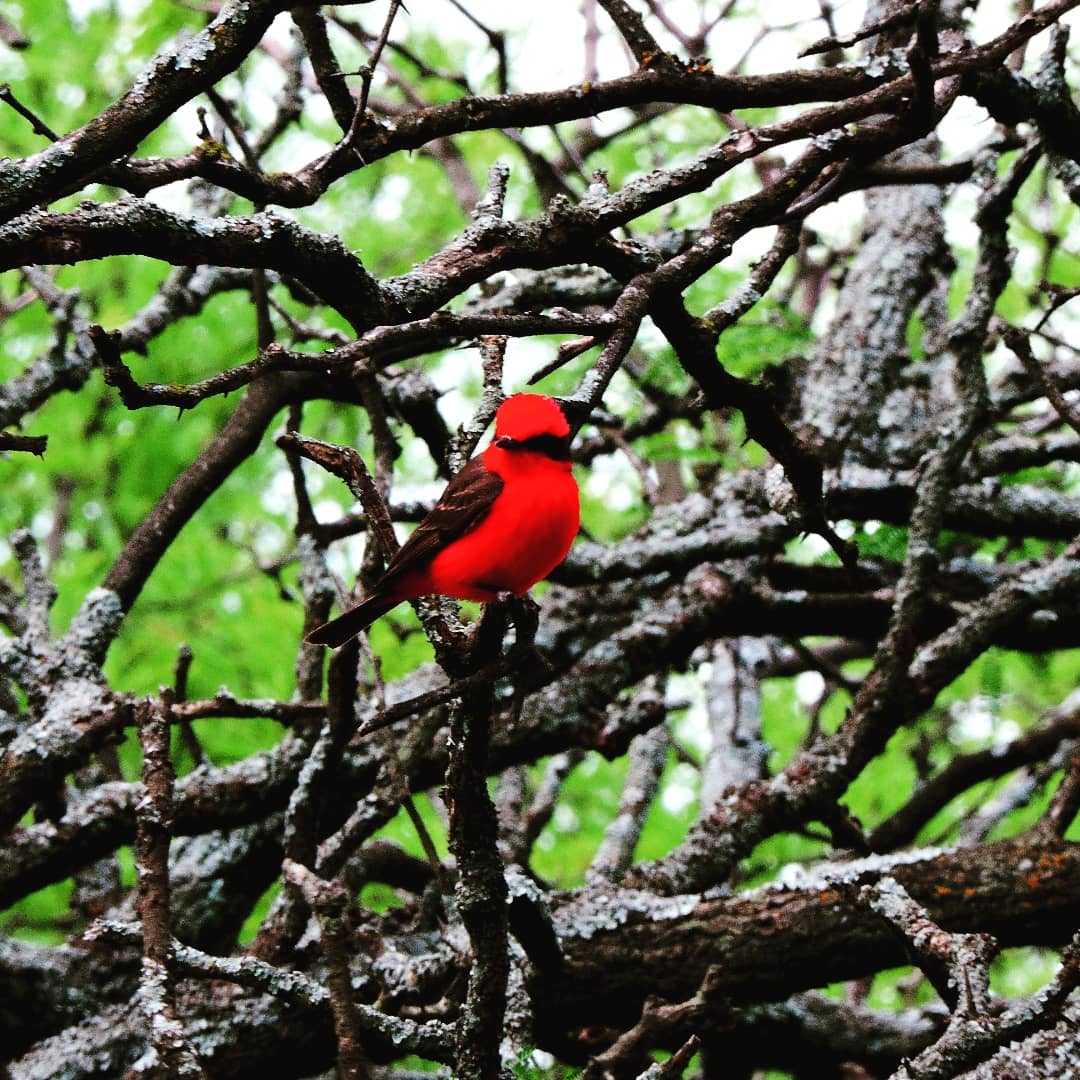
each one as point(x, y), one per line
point(526, 415)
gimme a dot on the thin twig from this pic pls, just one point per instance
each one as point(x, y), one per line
point(153, 833)
point(328, 899)
point(39, 125)
point(1018, 342)
point(367, 72)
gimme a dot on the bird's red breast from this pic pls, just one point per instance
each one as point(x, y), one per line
point(505, 521)
point(531, 522)
point(525, 535)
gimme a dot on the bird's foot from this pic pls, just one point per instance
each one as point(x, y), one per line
point(524, 612)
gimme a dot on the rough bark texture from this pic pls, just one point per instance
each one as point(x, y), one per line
point(892, 421)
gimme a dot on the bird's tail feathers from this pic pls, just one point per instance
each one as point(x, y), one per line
point(337, 631)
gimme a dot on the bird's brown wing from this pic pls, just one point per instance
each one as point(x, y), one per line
point(463, 505)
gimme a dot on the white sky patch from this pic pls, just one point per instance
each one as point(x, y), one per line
point(1007, 730)
point(390, 197)
point(980, 720)
point(23, 348)
point(839, 218)
point(680, 791)
point(960, 228)
point(809, 686)
point(686, 437)
point(42, 524)
point(565, 819)
point(1027, 263)
point(12, 66)
point(463, 368)
point(524, 357)
point(117, 68)
point(650, 337)
point(826, 308)
point(622, 394)
point(751, 247)
point(327, 510)
point(809, 547)
point(70, 94)
point(277, 497)
point(416, 462)
point(415, 478)
point(345, 558)
point(455, 368)
point(231, 602)
point(318, 111)
point(964, 127)
point(555, 33)
point(297, 146)
point(175, 197)
point(1001, 359)
point(81, 10)
point(688, 692)
point(418, 491)
point(269, 540)
point(613, 481)
point(974, 719)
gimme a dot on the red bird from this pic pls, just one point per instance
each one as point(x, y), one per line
point(503, 523)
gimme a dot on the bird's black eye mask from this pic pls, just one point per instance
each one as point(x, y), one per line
point(552, 446)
